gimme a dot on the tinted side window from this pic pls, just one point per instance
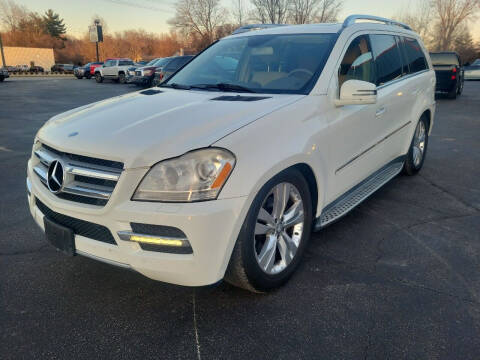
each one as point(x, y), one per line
point(357, 64)
point(415, 56)
point(387, 57)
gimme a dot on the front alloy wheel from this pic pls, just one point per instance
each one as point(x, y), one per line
point(279, 228)
point(274, 234)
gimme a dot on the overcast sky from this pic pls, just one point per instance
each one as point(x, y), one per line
point(152, 15)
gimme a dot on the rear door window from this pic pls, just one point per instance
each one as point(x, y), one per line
point(357, 64)
point(387, 57)
point(415, 56)
point(125, 62)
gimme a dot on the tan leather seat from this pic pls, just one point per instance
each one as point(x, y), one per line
point(264, 77)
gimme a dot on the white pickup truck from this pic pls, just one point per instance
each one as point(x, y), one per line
point(114, 69)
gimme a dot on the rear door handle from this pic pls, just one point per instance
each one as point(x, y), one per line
point(380, 112)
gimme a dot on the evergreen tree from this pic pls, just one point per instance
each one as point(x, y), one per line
point(54, 24)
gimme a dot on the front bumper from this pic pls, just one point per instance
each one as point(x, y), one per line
point(211, 227)
point(140, 80)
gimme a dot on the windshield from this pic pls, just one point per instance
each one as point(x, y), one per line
point(160, 62)
point(279, 63)
point(151, 62)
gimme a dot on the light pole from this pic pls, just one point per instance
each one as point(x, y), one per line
point(1, 50)
point(96, 42)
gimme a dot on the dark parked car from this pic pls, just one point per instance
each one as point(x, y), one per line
point(173, 64)
point(79, 71)
point(62, 68)
point(450, 73)
point(3, 74)
point(36, 69)
point(144, 76)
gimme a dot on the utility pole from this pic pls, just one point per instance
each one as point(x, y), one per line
point(96, 42)
point(96, 35)
point(1, 50)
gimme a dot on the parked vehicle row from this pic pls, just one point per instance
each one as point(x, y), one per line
point(18, 69)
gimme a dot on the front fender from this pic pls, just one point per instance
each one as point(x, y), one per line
point(287, 137)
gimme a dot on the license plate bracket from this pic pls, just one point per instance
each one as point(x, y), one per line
point(63, 238)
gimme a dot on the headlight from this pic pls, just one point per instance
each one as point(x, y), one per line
point(196, 176)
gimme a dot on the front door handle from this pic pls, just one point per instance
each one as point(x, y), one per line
point(380, 112)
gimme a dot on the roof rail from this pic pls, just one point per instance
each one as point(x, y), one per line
point(349, 21)
point(253, 27)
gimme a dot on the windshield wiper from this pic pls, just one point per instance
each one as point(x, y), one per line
point(223, 87)
point(176, 86)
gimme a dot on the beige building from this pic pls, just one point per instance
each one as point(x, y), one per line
point(25, 56)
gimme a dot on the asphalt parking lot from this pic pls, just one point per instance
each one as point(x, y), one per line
point(398, 278)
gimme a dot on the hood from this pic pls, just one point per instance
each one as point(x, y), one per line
point(140, 130)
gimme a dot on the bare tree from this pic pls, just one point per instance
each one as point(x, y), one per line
point(199, 17)
point(12, 15)
point(451, 14)
point(327, 11)
point(239, 12)
point(302, 11)
point(270, 11)
point(420, 19)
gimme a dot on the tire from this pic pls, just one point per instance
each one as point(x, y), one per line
point(79, 77)
point(98, 78)
point(88, 77)
point(245, 269)
point(412, 164)
point(1, 79)
point(121, 78)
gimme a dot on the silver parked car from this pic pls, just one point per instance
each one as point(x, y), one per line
point(472, 72)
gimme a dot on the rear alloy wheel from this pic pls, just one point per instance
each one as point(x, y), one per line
point(274, 234)
point(418, 148)
point(122, 78)
point(98, 78)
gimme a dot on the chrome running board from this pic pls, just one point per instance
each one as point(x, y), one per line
point(354, 197)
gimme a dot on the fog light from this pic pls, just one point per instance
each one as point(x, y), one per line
point(155, 240)
point(158, 243)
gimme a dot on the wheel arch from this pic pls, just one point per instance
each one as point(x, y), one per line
point(428, 115)
point(311, 179)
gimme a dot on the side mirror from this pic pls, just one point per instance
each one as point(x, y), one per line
point(357, 92)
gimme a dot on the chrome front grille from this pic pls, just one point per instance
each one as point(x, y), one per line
point(138, 73)
point(86, 180)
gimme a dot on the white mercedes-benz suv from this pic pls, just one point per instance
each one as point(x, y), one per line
point(225, 169)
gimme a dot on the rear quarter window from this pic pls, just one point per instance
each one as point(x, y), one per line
point(414, 55)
